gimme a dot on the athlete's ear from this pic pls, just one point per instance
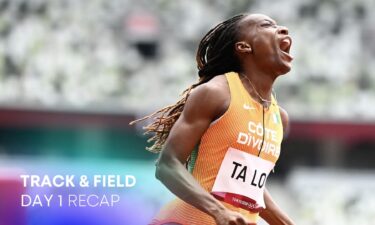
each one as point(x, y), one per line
point(243, 47)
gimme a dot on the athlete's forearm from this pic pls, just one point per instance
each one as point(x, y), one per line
point(273, 213)
point(173, 174)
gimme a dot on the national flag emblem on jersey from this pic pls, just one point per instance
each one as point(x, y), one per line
point(276, 118)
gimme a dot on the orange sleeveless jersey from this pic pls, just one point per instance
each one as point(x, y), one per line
point(240, 127)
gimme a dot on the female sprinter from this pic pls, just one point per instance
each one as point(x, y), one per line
point(226, 129)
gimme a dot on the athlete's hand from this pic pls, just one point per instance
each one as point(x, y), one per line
point(229, 217)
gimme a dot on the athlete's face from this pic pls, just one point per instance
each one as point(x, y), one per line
point(269, 43)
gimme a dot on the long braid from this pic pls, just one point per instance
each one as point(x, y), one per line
point(215, 56)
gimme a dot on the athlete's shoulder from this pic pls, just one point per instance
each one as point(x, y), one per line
point(216, 89)
point(212, 97)
point(285, 120)
point(219, 81)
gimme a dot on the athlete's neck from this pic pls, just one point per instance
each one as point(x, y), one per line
point(262, 83)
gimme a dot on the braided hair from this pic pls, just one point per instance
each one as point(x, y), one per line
point(215, 56)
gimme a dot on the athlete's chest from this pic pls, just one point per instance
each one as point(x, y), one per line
point(256, 130)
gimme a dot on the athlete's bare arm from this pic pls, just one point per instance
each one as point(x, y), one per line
point(273, 213)
point(206, 103)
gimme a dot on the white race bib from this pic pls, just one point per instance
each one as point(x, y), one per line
point(241, 180)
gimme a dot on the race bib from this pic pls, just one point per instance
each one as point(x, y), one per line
point(241, 180)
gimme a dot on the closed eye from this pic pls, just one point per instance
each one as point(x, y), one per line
point(268, 24)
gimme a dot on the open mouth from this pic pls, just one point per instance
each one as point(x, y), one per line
point(285, 44)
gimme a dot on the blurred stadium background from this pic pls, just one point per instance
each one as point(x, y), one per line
point(73, 73)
